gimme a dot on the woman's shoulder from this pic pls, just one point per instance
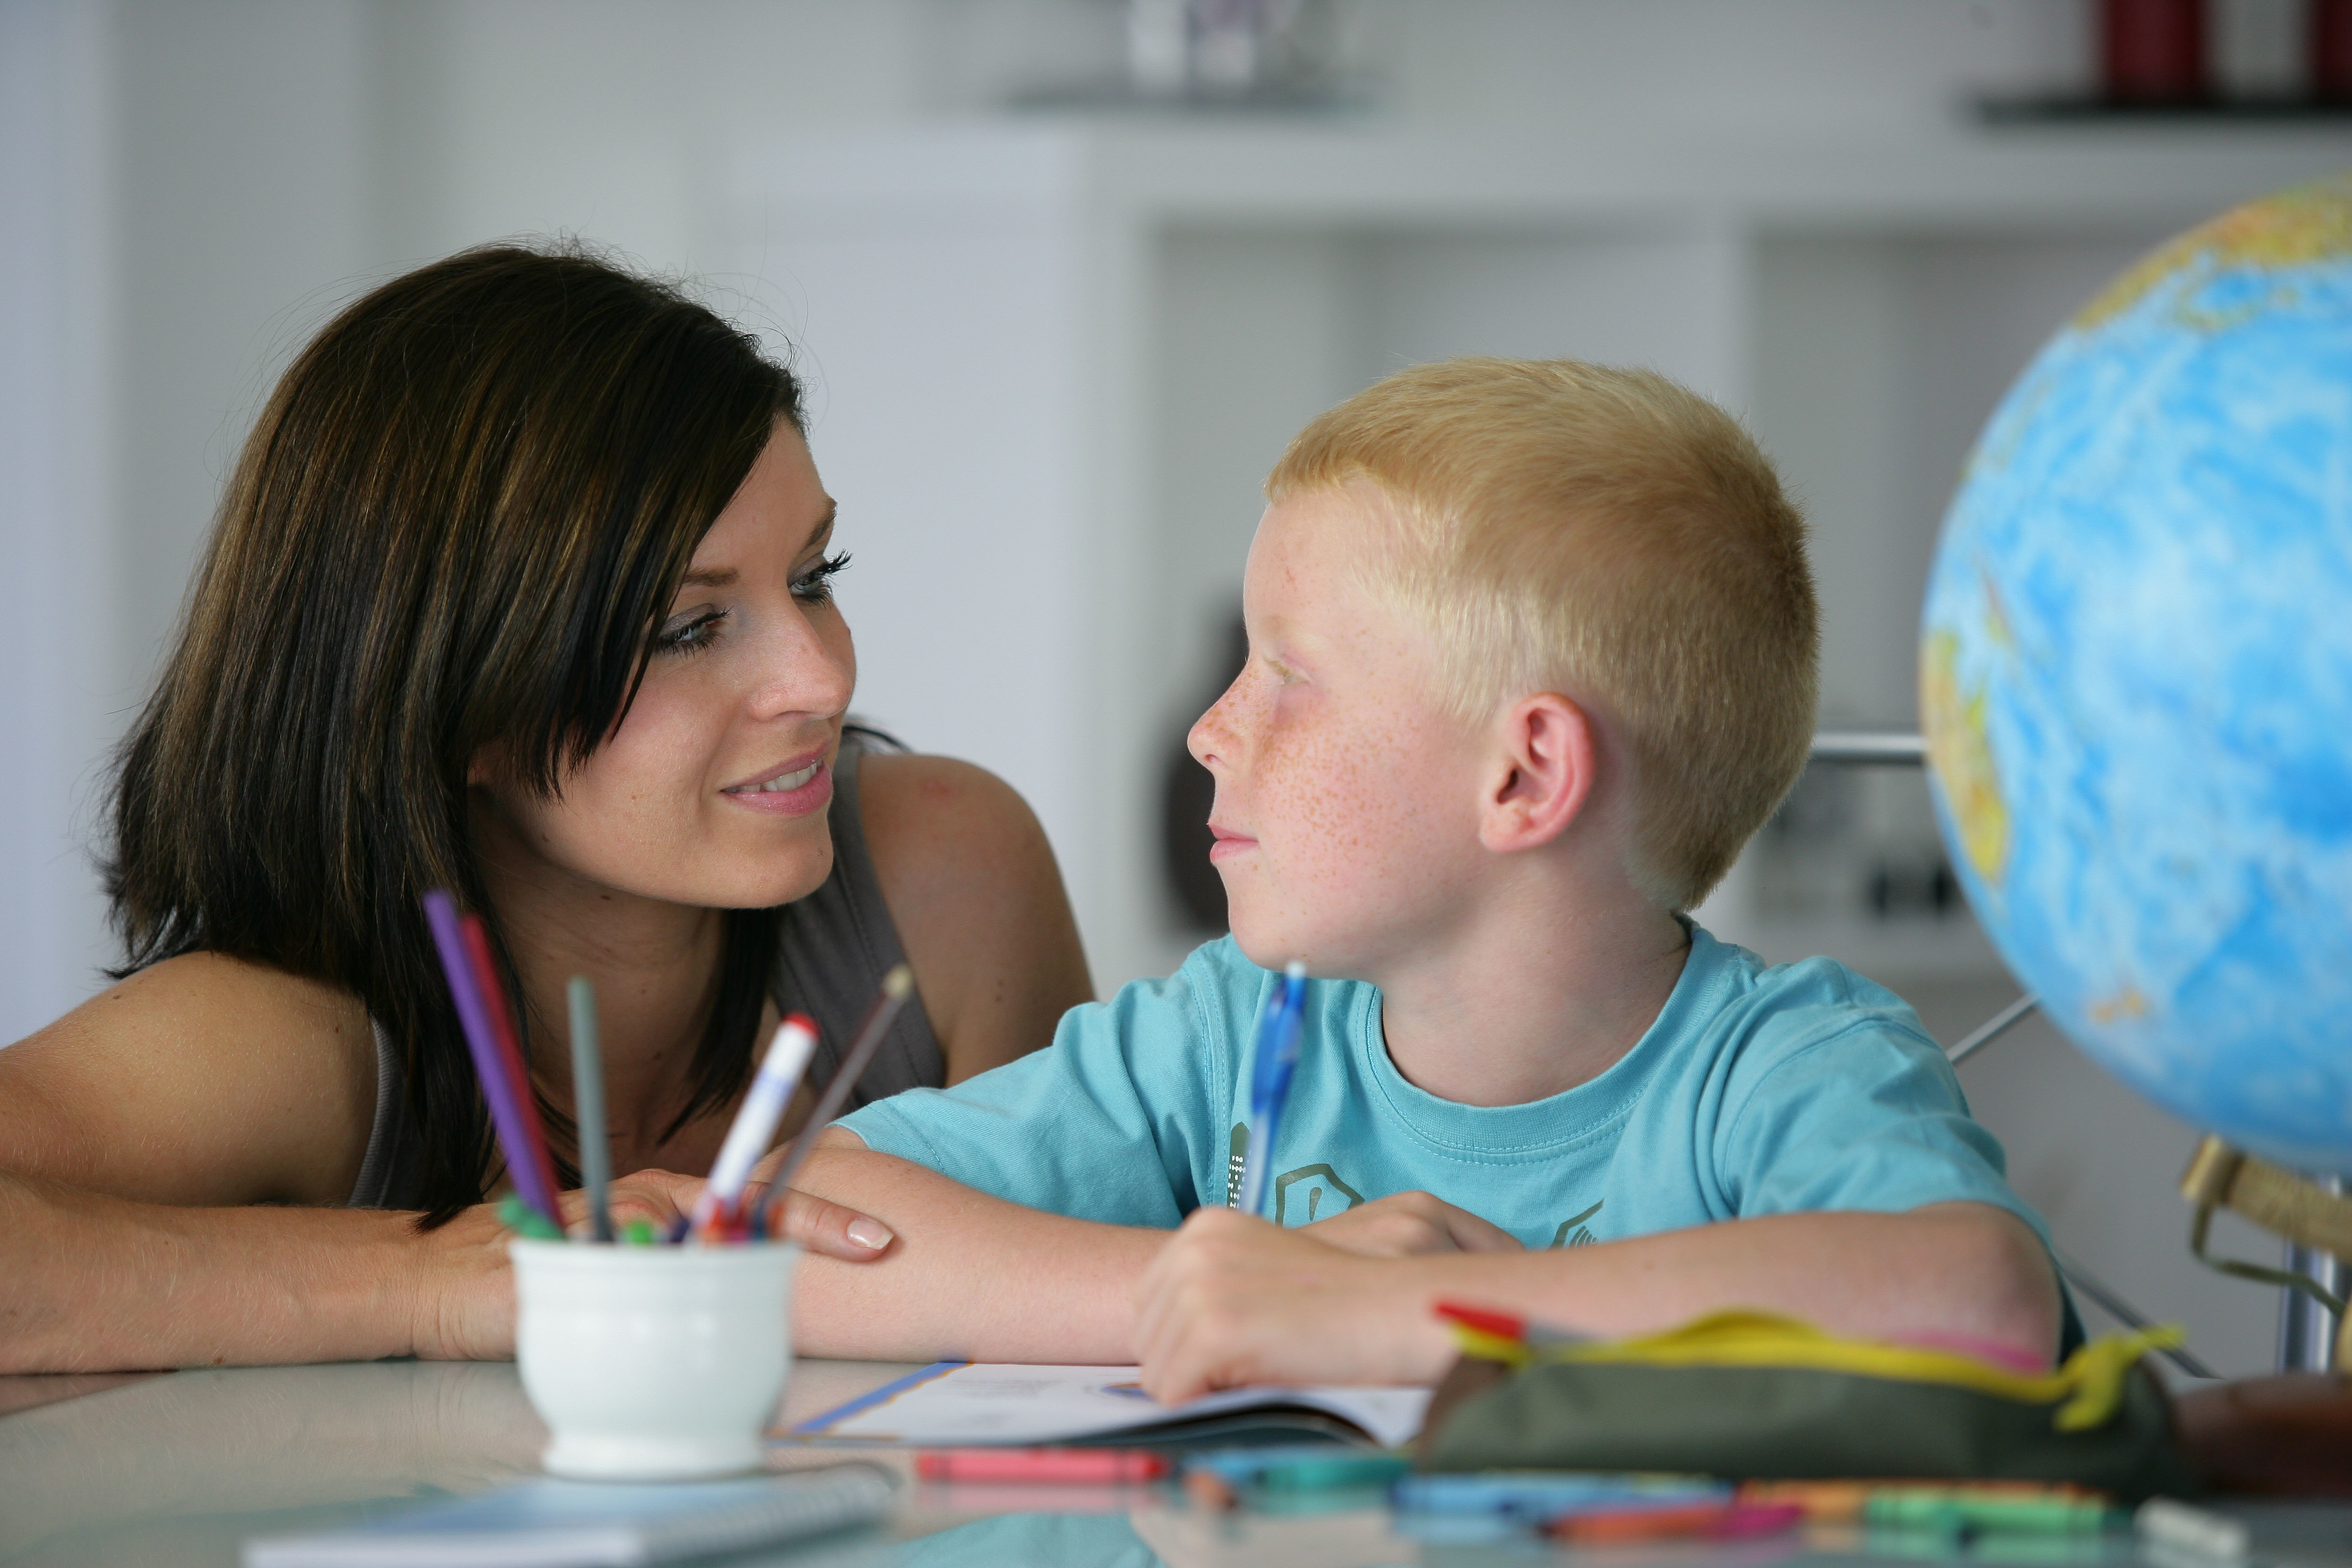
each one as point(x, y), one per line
point(200, 1078)
point(978, 901)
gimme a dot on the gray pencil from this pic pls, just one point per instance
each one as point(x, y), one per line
point(588, 1109)
point(897, 987)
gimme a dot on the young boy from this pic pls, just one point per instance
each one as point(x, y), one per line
point(1532, 655)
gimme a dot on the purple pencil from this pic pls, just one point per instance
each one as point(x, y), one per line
point(498, 1088)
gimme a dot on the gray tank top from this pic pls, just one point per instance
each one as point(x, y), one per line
point(834, 946)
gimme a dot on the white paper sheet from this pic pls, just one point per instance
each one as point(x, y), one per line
point(984, 1401)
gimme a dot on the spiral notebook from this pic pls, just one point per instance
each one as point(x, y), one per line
point(583, 1524)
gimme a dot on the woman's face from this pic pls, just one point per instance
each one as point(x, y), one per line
point(713, 790)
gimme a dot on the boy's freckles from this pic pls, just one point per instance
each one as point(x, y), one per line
point(1331, 754)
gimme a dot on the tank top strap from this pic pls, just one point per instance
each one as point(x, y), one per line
point(834, 947)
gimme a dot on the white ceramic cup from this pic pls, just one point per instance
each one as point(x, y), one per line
point(652, 1363)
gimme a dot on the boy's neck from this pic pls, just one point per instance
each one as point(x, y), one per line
point(1539, 993)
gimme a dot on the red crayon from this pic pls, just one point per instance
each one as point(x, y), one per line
point(1055, 1467)
point(1712, 1521)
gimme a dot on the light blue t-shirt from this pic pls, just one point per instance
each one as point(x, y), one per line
point(1758, 1090)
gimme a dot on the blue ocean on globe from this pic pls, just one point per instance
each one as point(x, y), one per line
point(2136, 678)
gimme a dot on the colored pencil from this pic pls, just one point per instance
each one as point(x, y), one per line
point(755, 1121)
point(497, 1085)
point(509, 1043)
point(897, 987)
point(588, 1107)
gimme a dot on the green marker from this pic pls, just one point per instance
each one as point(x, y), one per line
point(526, 1221)
point(639, 1233)
point(1960, 1513)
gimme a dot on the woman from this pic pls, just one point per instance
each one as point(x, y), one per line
point(520, 588)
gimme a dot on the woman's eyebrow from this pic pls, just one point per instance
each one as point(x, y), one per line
point(726, 576)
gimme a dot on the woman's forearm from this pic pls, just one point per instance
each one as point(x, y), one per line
point(89, 1283)
point(969, 1277)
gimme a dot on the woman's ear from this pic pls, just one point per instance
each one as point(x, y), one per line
point(1545, 773)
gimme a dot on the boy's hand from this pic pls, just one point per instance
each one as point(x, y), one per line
point(1232, 1300)
point(1405, 1224)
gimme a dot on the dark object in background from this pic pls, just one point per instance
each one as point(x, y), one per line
point(2329, 40)
point(2288, 1436)
point(1187, 796)
point(2153, 52)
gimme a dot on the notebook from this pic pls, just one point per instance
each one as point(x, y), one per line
point(953, 1403)
point(551, 1523)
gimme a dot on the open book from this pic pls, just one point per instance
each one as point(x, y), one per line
point(953, 1402)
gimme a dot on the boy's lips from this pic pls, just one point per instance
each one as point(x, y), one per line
point(1228, 843)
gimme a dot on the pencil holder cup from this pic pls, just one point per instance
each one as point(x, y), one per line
point(652, 1363)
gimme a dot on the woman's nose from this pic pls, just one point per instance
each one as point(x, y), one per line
point(803, 671)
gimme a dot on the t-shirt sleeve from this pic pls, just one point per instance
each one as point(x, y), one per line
point(1866, 1117)
point(1106, 1124)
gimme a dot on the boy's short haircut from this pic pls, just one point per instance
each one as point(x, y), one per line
point(1611, 536)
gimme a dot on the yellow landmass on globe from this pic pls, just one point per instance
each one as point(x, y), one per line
point(1962, 757)
point(2292, 228)
point(2123, 1004)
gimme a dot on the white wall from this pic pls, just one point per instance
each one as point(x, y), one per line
point(59, 600)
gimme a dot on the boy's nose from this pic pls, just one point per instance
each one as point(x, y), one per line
point(1208, 740)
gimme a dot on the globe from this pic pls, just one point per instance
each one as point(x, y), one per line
point(2136, 678)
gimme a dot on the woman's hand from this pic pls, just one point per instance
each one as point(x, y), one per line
point(1409, 1225)
point(464, 1306)
point(1232, 1300)
point(817, 1223)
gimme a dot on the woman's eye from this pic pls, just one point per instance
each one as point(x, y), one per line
point(815, 584)
point(691, 633)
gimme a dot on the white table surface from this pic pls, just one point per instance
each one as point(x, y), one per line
point(179, 1469)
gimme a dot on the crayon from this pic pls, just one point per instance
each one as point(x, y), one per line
point(1621, 1524)
point(1321, 1466)
point(1539, 1495)
point(1051, 1466)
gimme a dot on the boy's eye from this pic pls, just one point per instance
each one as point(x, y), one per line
point(816, 585)
point(691, 632)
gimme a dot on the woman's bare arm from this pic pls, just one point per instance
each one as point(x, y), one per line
point(173, 1156)
point(135, 1134)
point(979, 903)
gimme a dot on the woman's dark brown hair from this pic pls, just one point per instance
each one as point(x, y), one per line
point(456, 525)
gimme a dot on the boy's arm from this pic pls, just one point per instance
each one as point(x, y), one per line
point(1234, 1300)
point(970, 1276)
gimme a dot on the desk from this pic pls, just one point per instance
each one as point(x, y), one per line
point(178, 1468)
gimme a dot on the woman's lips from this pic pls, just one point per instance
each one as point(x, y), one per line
point(792, 792)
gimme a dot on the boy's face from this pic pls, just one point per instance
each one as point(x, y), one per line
point(1347, 819)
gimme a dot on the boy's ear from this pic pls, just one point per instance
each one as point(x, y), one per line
point(1546, 773)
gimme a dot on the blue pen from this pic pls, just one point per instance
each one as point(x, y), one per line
point(1271, 1060)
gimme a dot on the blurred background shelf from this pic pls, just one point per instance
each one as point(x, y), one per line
point(1144, 308)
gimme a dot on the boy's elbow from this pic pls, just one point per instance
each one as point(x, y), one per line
point(2005, 1274)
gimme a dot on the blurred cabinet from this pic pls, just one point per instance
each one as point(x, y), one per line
point(1051, 360)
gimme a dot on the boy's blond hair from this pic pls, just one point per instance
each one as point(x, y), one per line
point(1611, 536)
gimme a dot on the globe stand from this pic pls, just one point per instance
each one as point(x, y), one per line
point(2292, 1433)
point(2280, 1201)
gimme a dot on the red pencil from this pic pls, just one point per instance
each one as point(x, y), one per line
point(1063, 1466)
point(494, 1003)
